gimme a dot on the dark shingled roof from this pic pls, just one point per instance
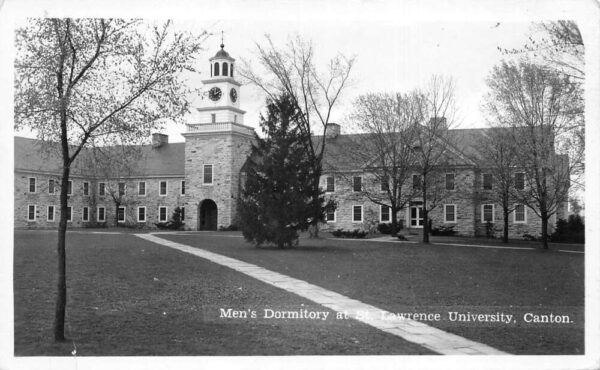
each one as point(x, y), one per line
point(166, 160)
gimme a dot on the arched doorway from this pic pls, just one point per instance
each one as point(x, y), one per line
point(207, 215)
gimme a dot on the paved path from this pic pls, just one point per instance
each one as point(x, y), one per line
point(413, 331)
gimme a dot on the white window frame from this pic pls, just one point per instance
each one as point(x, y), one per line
point(361, 184)
point(453, 181)
point(483, 221)
point(483, 181)
point(145, 214)
point(119, 188)
point(331, 221)
point(124, 214)
point(34, 219)
point(70, 219)
point(446, 221)
point(85, 194)
point(166, 188)
point(83, 214)
point(145, 189)
point(524, 185)
point(48, 213)
point(212, 174)
point(100, 186)
point(524, 214)
point(69, 193)
point(166, 214)
point(381, 213)
point(362, 216)
point(327, 184)
point(34, 185)
point(103, 214)
point(182, 187)
point(53, 186)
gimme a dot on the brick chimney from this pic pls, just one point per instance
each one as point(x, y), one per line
point(159, 139)
point(333, 130)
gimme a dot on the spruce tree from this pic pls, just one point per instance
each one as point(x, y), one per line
point(278, 197)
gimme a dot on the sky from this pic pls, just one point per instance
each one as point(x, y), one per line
point(390, 57)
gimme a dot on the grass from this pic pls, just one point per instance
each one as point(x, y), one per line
point(402, 277)
point(129, 297)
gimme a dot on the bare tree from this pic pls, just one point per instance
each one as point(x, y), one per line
point(80, 81)
point(433, 143)
point(537, 102)
point(386, 151)
point(498, 156)
point(291, 70)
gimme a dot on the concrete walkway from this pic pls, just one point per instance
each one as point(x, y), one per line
point(413, 331)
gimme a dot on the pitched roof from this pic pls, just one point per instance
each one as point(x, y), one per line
point(35, 156)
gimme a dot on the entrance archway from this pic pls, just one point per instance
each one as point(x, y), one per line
point(207, 215)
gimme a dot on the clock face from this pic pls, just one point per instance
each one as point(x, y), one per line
point(233, 95)
point(214, 94)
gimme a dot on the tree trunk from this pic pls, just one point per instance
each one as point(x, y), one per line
point(61, 294)
point(505, 230)
point(394, 230)
point(425, 213)
point(545, 230)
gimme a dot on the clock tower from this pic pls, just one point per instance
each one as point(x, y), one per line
point(216, 148)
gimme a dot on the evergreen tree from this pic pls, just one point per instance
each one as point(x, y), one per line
point(278, 197)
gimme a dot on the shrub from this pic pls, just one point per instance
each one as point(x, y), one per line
point(443, 231)
point(490, 232)
point(174, 223)
point(232, 227)
point(385, 228)
point(569, 231)
point(530, 237)
point(401, 237)
point(354, 234)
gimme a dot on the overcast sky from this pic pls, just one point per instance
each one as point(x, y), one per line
point(389, 57)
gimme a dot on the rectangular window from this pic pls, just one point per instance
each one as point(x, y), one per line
point(487, 181)
point(162, 188)
point(330, 216)
point(208, 174)
point(162, 214)
point(121, 214)
point(31, 213)
point(487, 213)
point(449, 181)
point(182, 213)
point(86, 188)
point(416, 182)
point(101, 214)
point(385, 213)
point(70, 187)
point(519, 181)
point(520, 214)
point(213, 118)
point(142, 188)
point(449, 213)
point(357, 183)
point(121, 189)
point(141, 214)
point(69, 214)
point(101, 188)
point(32, 184)
point(51, 186)
point(330, 187)
point(50, 214)
point(183, 187)
point(357, 215)
point(85, 214)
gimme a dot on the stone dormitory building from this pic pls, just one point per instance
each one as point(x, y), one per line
point(202, 176)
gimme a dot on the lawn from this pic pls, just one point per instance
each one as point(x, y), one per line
point(127, 296)
point(402, 277)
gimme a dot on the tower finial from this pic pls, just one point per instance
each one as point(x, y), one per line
point(222, 44)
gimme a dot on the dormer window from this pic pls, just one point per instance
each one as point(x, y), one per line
point(216, 69)
point(225, 69)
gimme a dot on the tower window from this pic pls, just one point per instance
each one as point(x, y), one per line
point(231, 71)
point(225, 69)
point(235, 118)
point(216, 69)
point(213, 117)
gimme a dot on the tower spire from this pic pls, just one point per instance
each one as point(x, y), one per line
point(222, 44)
